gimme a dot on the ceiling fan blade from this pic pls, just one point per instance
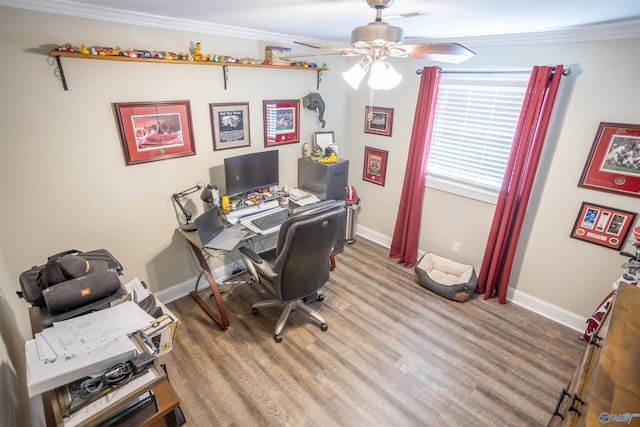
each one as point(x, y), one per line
point(323, 52)
point(452, 53)
point(325, 45)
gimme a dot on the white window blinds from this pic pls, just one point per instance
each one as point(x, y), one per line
point(475, 121)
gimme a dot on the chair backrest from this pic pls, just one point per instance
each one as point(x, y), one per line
point(305, 242)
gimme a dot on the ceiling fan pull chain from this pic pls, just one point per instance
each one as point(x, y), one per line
point(370, 115)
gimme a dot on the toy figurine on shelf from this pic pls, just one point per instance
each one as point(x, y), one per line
point(84, 49)
point(65, 48)
point(132, 53)
point(198, 55)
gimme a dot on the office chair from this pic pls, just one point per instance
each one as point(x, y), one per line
point(299, 265)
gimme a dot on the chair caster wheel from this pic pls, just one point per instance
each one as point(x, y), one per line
point(324, 327)
point(254, 311)
point(278, 338)
point(320, 297)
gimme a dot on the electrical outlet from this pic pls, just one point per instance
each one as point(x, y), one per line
point(455, 247)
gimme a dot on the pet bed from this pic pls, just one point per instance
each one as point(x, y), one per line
point(446, 278)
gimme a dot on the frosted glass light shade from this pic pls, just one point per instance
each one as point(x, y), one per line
point(383, 76)
point(354, 75)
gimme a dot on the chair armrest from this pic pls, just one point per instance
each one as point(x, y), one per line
point(256, 265)
point(251, 254)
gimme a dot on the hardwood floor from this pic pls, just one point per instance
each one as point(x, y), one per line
point(395, 354)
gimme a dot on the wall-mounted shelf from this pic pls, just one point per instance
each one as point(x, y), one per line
point(225, 65)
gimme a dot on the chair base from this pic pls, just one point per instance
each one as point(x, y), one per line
point(288, 308)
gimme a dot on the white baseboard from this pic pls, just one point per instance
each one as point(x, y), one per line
point(531, 303)
point(548, 310)
point(174, 292)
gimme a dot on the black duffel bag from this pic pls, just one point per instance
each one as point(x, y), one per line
point(98, 269)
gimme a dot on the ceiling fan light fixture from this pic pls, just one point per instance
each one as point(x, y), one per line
point(383, 76)
point(354, 75)
point(377, 31)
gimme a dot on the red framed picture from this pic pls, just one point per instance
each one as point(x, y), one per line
point(281, 122)
point(153, 131)
point(378, 120)
point(614, 161)
point(375, 165)
point(602, 225)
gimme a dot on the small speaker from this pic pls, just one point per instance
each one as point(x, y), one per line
point(80, 291)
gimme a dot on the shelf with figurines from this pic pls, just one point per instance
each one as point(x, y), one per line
point(194, 57)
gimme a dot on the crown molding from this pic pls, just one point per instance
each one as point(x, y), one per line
point(626, 29)
point(69, 8)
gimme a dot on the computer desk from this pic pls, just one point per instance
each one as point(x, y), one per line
point(221, 317)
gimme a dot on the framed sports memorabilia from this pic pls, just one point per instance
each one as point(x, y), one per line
point(375, 165)
point(603, 226)
point(152, 131)
point(281, 122)
point(614, 161)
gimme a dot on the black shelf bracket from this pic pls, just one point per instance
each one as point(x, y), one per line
point(319, 79)
point(60, 73)
point(225, 75)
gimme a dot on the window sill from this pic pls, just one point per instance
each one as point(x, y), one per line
point(459, 189)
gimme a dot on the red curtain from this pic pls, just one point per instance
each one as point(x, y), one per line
point(493, 279)
point(404, 245)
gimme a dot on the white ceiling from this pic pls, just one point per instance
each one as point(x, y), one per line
point(333, 20)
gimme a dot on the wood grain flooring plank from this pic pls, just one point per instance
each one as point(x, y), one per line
point(395, 354)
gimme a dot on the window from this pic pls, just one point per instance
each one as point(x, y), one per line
point(475, 120)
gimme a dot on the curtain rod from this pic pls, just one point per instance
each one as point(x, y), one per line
point(565, 72)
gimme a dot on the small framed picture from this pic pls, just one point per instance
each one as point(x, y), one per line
point(614, 163)
point(322, 140)
point(378, 120)
point(152, 131)
point(281, 122)
point(375, 165)
point(230, 125)
point(602, 225)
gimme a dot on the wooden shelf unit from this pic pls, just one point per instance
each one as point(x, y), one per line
point(225, 65)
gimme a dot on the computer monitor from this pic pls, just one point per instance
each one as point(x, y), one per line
point(251, 172)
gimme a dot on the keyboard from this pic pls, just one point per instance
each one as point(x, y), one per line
point(272, 220)
point(252, 209)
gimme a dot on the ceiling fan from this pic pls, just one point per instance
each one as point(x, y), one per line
point(378, 40)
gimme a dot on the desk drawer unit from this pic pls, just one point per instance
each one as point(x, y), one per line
point(325, 181)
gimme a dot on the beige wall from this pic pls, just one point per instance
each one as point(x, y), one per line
point(64, 179)
point(65, 184)
point(604, 86)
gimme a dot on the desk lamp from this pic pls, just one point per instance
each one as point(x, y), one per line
point(207, 195)
point(187, 215)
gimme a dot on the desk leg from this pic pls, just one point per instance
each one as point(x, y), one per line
point(221, 319)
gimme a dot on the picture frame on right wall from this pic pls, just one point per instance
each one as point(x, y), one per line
point(613, 164)
point(603, 226)
point(378, 120)
point(375, 165)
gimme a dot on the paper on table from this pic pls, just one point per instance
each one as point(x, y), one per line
point(83, 334)
point(307, 200)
